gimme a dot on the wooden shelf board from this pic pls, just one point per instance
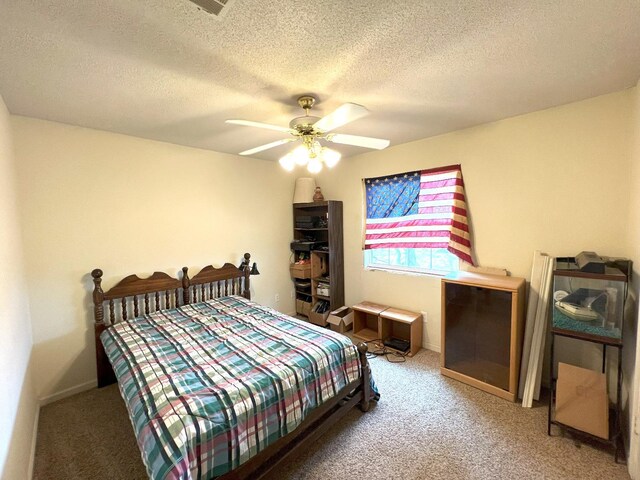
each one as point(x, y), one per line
point(366, 334)
point(369, 307)
point(408, 353)
point(474, 382)
point(493, 282)
point(610, 341)
point(613, 436)
point(403, 316)
point(322, 203)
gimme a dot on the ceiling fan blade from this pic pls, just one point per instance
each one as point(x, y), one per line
point(344, 114)
point(268, 126)
point(267, 146)
point(358, 141)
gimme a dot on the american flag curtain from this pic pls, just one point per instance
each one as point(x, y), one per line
point(422, 209)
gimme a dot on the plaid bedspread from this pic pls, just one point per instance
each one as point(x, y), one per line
point(211, 384)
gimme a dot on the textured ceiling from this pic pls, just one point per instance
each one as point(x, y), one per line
point(162, 69)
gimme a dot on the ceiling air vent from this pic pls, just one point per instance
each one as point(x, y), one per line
point(215, 7)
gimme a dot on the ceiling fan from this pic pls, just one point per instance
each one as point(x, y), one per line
point(310, 130)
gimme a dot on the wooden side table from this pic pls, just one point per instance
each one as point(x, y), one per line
point(366, 319)
point(404, 325)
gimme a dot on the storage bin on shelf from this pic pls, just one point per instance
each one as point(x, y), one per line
point(303, 308)
point(300, 270)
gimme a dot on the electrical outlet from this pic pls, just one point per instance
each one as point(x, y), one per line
point(277, 297)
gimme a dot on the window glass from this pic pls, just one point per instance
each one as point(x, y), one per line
point(422, 260)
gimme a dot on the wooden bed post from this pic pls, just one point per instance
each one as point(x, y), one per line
point(247, 273)
point(366, 380)
point(105, 372)
point(98, 297)
point(185, 286)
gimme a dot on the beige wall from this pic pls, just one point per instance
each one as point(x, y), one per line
point(632, 339)
point(17, 397)
point(555, 180)
point(95, 199)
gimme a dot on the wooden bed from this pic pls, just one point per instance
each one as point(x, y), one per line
point(134, 296)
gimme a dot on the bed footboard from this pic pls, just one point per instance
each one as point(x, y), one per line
point(318, 422)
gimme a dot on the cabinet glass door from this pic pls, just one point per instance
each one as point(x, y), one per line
point(478, 333)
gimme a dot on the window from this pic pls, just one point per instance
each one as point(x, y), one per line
point(420, 260)
point(417, 221)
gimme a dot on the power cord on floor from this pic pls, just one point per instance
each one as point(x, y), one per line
point(392, 356)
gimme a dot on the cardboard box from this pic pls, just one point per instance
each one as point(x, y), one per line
point(341, 320)
point(300, 270)
point(319, 319)
point(303, 308)
point(582, 401)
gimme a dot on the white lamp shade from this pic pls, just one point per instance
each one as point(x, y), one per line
point(301, 155)
point(330, 157)
point(315, 165)
point(305, 188)
point(288, 162)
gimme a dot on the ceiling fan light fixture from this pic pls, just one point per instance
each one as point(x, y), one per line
point(315, 149)
point(314, 165)
point(330, 157)
point(309, 130)
point(301, 155)
point(288, 162)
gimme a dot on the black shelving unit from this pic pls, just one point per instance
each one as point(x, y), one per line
point(565, 326)
point(326, 256)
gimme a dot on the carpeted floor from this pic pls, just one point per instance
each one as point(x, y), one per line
point(425, 426)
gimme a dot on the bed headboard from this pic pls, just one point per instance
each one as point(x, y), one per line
point(133, 296)
point(213, 282)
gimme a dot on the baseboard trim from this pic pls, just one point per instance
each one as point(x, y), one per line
point(630, 450)
point(68, 392)
point(34, 438)
point(432, 346)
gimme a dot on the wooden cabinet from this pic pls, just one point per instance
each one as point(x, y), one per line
point(482, 331)
point(317, 233)
point(366, 321)
point(404, 325)
point(373, 322)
